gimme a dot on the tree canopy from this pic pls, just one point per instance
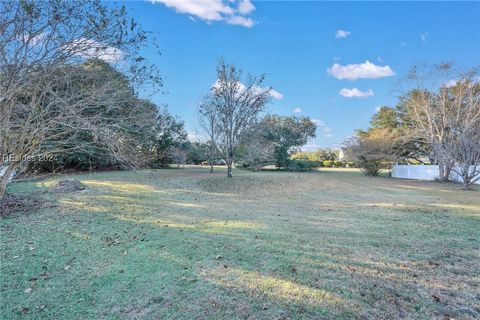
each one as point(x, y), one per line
point(286, 134)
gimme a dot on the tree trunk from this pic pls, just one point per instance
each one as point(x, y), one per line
point(229, 162)
point(447, 171)
point(5, 179)
point(466, 179)
point(469, 176)
point(229, 168)
point(441, 172)
point(211, 161)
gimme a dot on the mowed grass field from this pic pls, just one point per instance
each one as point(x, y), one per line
point(184, 244)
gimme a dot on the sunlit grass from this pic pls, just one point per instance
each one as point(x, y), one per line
point(82, 205)
point(234, 225)
point(122, 186)
point(274, 287)
point(182, 244)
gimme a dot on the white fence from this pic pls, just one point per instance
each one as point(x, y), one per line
point(421, 172)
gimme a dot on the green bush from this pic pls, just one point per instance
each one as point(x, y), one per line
point(328, 163)
point(302, 165)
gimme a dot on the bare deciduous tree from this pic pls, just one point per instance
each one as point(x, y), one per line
point(464, 149)
point(374, 151)
point(462, 142)
point(258, 153)
point(443, 108)
point(45, 98)
point(237, 106)
point(210, 124)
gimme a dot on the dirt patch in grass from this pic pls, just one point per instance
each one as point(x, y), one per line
point(14, 204)
point(66, 186)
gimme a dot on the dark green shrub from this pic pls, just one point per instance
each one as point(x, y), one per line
point(302, 165)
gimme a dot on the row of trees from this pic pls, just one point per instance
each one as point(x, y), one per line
point(59, 98)
point(70, 72)
point(437, 120)
point(319, 155)
point(233, 117)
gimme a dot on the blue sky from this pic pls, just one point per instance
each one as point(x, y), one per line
point(297, 44)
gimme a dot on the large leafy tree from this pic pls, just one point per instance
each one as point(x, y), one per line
point(286, 134)
point(317, 155)
point(197, 152)
point(45, 96)
point(407, 145)
point(385, 117)
point(130, 119)
point(169, 135)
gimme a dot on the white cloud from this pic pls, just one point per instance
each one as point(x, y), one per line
point(245, 7)
point(340, 34)
point(321, 126)
point(377, 109)
point(213, 10)
point(318, 122)
point(454, 82)
point(91, 49)
point(240, 21)
point(366, 70)
point(193, 137)
point(450, 83)
point(273, 93)
point(424, 36)
point(205, 10)
point(297, 110)
point(32, 39)
point(355, 93)
point(276, 95)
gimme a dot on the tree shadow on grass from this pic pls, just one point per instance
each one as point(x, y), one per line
point(168, 250)
point(248, 259)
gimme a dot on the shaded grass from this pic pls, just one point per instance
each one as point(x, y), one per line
point(185, 244)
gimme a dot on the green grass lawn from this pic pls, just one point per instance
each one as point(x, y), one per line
point(184, 244)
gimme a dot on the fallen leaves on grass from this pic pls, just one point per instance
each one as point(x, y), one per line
point(12, 204)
